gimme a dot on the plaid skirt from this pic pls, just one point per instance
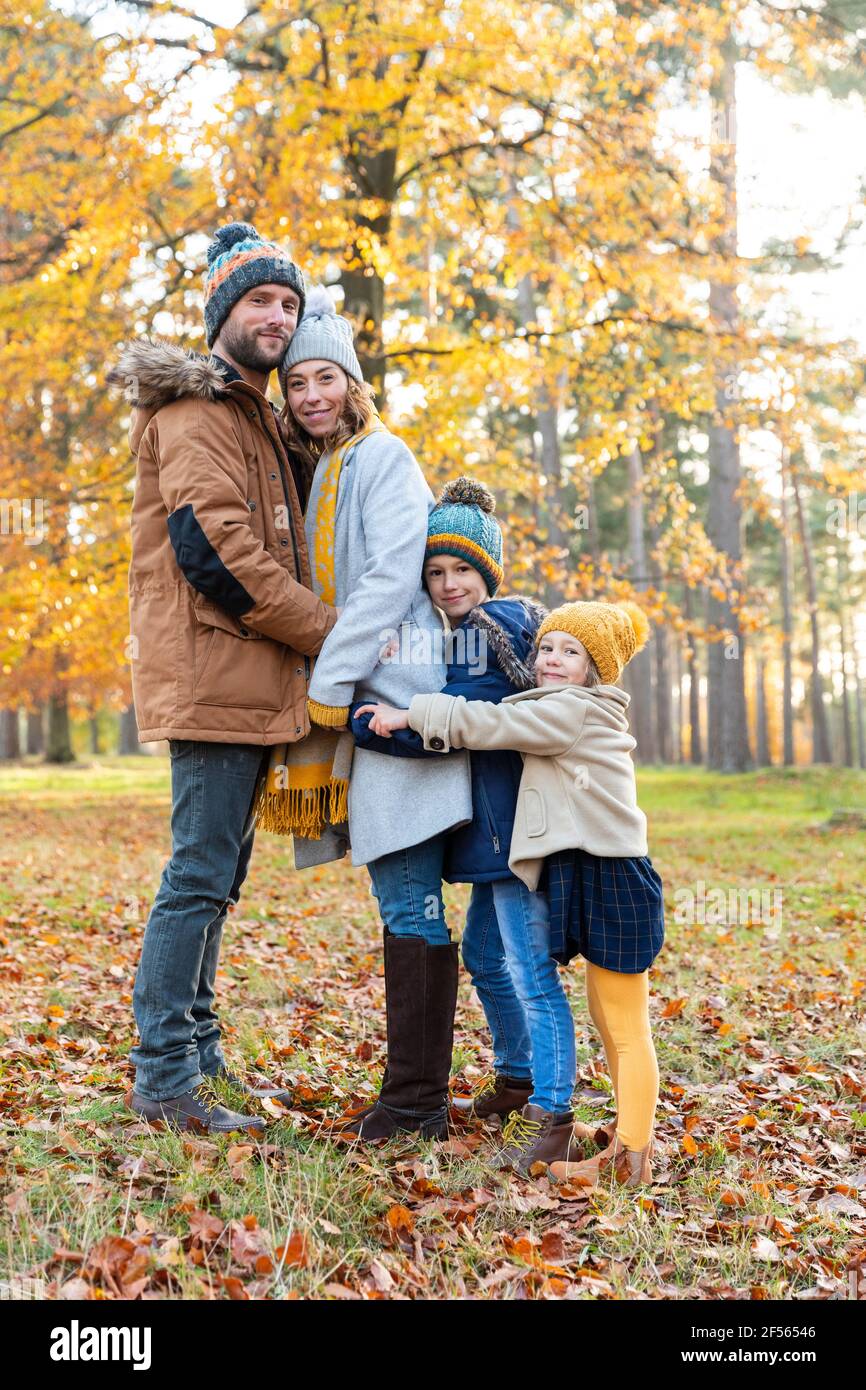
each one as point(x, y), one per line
point(610, 911)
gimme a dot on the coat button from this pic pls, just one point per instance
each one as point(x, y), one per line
point(298, 730)
point(437, 743)
point(274, 476)
point(299, 671)
point(245, 632)
point(252, 506)
point(284, 541)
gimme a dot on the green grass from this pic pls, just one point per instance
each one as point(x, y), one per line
point(758, 1029)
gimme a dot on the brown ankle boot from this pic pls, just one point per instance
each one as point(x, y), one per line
point(533, 1135)
point(496, 1095)
point(615, 1164)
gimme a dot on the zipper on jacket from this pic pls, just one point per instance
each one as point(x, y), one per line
point(491, 824)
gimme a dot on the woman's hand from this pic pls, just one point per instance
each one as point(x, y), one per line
point(385, 718)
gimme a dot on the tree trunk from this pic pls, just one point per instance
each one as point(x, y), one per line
point(35, 731)
point(59, 748)
point(10, 740)
point(861, 720)
point(638, 677)
point(593, 539)
point(695, 745)
point(787, 627)
point(847, 732)
point(663, 696)
point(662, 672)
point(676, 703)
point(820, 734)
point(546, 421)
point(370, 176)
point(94, 734)
point(762, 738)
point(726, 723)
point(128, 732)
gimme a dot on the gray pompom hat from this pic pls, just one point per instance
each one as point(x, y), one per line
point(322, 333)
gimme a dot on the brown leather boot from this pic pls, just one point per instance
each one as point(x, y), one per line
point(616, 1164)
point(533, 1135)
point(420, 999)
point(496, 1095)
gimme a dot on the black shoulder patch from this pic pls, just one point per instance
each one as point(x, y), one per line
point(202, 566)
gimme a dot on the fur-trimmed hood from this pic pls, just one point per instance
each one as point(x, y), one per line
point(153, 373)
point(491, 619)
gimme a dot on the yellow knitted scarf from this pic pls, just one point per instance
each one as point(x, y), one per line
point(307, 783)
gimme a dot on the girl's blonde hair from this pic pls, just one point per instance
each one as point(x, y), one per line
point(358, 410)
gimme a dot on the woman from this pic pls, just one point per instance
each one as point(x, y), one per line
point(366, 526)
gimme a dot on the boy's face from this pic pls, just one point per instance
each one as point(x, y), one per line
point(454, 585)
point(561, 660)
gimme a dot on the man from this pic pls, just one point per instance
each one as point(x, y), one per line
point(223, 623)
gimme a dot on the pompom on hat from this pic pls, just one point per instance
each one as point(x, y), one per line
point(462, 524)
point(611, 632)
point(323, 334)
point(238, 259)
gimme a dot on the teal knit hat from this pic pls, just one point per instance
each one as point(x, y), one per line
point(462, 524)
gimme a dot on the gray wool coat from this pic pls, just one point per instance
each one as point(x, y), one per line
point(383, 503)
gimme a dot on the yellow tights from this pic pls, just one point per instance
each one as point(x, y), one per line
point(619, 1008)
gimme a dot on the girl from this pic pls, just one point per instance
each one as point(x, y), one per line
point(366, 528)
point(580, 838)
point(506, 939)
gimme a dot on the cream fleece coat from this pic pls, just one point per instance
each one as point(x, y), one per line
point(578, 786)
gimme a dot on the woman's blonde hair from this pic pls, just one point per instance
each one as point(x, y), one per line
point(359, 409)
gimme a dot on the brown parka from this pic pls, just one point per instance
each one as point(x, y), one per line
point(223, 621)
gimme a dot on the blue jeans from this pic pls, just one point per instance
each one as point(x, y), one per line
point(408, 888)
point(212, 787)
point(506, 949)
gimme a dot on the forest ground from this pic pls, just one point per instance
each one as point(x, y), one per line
point(760, 1173)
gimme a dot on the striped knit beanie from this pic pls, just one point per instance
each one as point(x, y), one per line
point(462, 524)
point(324, 334)
point(238, 260)
point(611, 632)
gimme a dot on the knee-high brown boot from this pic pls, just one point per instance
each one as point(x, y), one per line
point(420, 999)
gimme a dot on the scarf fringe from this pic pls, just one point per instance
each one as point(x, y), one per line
point(302, 811)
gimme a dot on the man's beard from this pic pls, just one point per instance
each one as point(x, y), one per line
point(248, 351)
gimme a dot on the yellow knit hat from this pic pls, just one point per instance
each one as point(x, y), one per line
point(611, 632)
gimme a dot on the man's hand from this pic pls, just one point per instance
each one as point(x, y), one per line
point(385, 718)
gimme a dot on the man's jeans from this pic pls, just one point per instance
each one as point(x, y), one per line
point(212, 787)
point(408, 887)
point(506, 949)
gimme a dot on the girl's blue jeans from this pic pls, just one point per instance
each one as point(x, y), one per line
point(506, 949)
